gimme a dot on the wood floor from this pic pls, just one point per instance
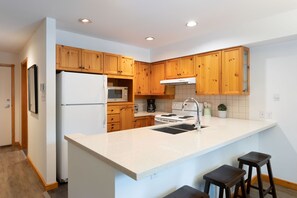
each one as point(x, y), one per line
point(17, 179)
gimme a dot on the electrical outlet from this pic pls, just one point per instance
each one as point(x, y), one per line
point(261, 114)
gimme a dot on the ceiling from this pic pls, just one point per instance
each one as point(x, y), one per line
point(131, 21)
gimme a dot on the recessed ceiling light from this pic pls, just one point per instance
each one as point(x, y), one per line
point(149, 38)
point(85, 20)
point(191, 23)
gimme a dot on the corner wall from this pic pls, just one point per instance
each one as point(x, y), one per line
point(273, 81)
point(40, 50)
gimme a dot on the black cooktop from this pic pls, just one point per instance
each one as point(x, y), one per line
point(169, 115)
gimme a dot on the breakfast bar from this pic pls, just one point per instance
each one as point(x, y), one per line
point(147, 163)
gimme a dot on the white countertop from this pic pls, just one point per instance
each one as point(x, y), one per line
point(141, 152)
point(144, 113)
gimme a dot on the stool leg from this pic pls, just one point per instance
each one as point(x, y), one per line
point(248, 188)
point(242, 183)
point(271, 179)
point(236, 191)
point(221, 192)
point(228, 192)
point(260, 184)
point(206, 187)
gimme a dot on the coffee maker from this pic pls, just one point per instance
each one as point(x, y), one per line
point(151, 107)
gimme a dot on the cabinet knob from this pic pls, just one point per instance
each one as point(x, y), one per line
point(112, 110)
point(111, 118)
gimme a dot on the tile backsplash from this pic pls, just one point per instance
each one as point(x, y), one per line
point(237, 106)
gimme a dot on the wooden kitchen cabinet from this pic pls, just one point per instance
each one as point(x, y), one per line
point(142, 78)
point(180, 67)
point(120, 117)
point(118, 65)
point(156, 75)
point(235, 71)
point(208, 70)
point(127, 66)
point(92, 61)
point(68, 58)
point(144, 121)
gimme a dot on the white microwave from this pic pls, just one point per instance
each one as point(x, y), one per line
point(117, 94)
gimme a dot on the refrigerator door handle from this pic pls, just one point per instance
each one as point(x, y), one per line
point(105, 87)
point(105, 114)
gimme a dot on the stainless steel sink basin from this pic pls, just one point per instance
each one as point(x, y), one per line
point(176, 129)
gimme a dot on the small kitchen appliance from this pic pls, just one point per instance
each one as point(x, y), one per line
point(117, 94)
point(151, 106)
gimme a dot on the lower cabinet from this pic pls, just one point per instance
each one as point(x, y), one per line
point(120, 117)
point(144, 121)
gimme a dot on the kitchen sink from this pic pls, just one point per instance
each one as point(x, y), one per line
point(176, 129)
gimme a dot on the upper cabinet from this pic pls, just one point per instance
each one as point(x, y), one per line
point(142, 78)
point(235, 71)
point(157, 74)
point(208, 70)
point(180, 67)
point(118, 65)
point(68, 58)
point(92, 61)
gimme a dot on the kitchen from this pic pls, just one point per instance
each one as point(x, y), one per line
point(268, 98)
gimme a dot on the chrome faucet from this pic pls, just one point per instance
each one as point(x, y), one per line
point(197, 122)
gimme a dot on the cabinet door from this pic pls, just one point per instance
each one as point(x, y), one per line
point(70, 58)
point(127, 117)
point(140, 122)
point(232, 71)
point(111, 63)
point(157, 74)
point(172, 69)
point(126, 66)
point(92, 61)
point(208, 73)
point(141, 78)
point(186, 67)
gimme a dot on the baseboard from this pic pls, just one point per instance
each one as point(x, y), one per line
point(46, 186)
point(280, 182)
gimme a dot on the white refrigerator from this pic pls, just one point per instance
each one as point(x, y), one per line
point(81, 108)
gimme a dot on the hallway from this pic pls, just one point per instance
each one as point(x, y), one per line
point(17, 178)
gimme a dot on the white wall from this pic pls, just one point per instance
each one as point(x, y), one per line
point(91, 43)
point(9, 58)
point(273, 75)
point(40, 50)
point(273, 27)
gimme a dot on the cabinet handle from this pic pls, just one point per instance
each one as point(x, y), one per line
point(111, 118)
point(111, 110)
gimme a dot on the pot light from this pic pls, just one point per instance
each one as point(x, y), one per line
point(149, 38)
point(84, 20)
point(191, 23)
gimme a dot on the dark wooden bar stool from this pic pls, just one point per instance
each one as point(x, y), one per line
point(257, 160)
point(187, 192)
point(225, 177)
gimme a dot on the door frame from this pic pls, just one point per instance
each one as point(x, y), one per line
point(24, 103)
point(12, 102)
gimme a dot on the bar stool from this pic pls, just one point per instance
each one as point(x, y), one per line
point(257, 160)
point(187, 192)
point(225, 177)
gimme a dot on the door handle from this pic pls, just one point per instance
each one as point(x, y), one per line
point(7, 106)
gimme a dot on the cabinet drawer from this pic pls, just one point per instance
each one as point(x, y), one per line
point(113, 118)
point(113, 109)
point(113, 127)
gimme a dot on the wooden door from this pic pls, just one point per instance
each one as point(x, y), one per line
point(157, 74)
point(126, 66)
point(208, 73)
point(231, 71)
point(24, 110)
point(69, 58)
point(172, 69)
point(140, 122)
point(141, 78)
point(111, 63)
point(92, 61)
point(127, 117)
point(186, 67)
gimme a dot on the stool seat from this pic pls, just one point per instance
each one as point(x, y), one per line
point(255, 159)
point(225, 177)
point(187, 192)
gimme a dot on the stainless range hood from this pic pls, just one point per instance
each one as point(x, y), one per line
point(179, 81)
